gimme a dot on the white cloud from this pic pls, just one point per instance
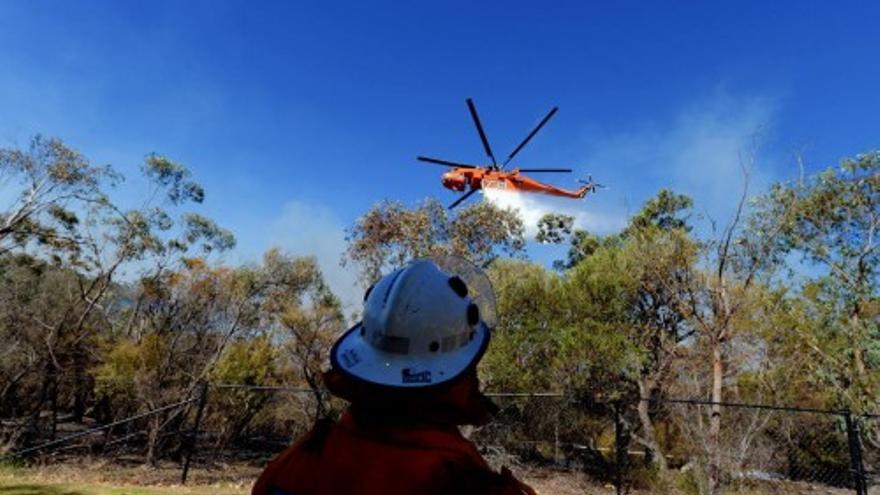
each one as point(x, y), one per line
point(698, 152)
point(314, 230)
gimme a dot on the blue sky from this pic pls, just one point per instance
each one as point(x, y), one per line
point(298, 116)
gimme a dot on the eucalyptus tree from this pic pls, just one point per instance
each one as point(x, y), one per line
point(78, 241)
point(716, 296)
point(47, 183)
point(832, 220)
point(390, 234)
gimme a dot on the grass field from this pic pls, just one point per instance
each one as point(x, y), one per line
point(30, 486)
point(25, 486)
point(24, 483)
point(97, 478)
point(108, 479)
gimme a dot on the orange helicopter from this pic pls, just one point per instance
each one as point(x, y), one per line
point(464, 175)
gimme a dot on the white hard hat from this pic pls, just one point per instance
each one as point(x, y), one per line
point(423, 325)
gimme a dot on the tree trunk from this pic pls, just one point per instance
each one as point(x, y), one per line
point(45, 384)
point(649, 434)
point(714, 472)
point(54, 399)
point(320, 406)
point(9, 403)
point(81, 384)
point(856, 336)
point(153, 435)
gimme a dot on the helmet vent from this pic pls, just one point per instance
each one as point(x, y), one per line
point(391, 285)
point(434, 347)
point(458, 286)
point(473, 314)
point(367, 294)
point(389, 343)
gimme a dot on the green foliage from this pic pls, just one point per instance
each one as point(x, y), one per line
point(554, 228)
point(73, 337)
point(131, 365)
point(53, 181)
point(582, 245)
point(525, 343)
point(391, 234)
point(248, 362)
point(482, 232)
point(555, 332)
point(831, 220)
point(605, 321)
point(645, 312)
point(667, 211)
point(174, 178)
point(244, 362)
point(213, 238)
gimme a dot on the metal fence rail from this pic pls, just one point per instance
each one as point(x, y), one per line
point(768, 444)
point(19, 454)
point(758, 443)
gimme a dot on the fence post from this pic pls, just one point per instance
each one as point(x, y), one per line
point(191, 438)
point(855, 454)
point(619, 449)
point(556, 459)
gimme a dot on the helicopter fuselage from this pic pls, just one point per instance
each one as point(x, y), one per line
point(469, 178)
point(462, 179)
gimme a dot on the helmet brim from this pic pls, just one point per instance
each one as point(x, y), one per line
point(354, 357)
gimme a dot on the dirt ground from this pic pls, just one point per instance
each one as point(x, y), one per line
point(101, 477)
point(98, 477)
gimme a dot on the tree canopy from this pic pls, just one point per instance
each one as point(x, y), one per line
point(109, 311)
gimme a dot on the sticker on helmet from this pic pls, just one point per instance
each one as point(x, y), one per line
point(350, 358)
point(409, 376)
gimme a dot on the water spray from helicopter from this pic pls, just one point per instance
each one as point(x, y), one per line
point(468, 178)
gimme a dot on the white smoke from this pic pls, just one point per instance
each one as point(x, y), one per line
point(533, 206)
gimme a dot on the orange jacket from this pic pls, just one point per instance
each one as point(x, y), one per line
point(357, 457)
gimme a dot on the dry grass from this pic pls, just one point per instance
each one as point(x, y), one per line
point(104, 478)
point(551, 482)
point(99, 478)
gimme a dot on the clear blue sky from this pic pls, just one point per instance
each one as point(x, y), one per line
point(297, 116)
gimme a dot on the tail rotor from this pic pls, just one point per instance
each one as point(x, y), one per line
point(590, 185)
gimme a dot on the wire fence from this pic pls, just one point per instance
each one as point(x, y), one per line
point(871, 452)
point(758, 445)
point(710, 448)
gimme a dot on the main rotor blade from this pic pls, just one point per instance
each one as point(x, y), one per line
point(444, 162)
point(473, 110)
point(532, 170)
point(459, 200)
point(530, 136)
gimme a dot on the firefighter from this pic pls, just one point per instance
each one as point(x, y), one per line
point(408, 370)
